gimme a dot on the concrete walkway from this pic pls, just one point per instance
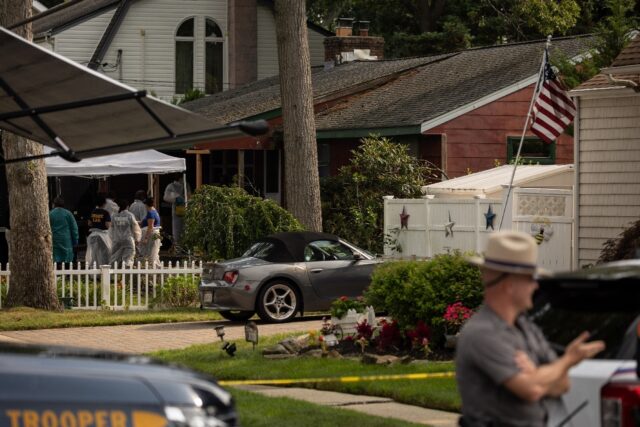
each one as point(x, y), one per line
point(370, 405)
point(160, 336)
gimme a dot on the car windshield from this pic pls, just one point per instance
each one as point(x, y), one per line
point(261, 250)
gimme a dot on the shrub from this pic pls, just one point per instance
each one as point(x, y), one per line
point(221, 222)
point(410, 291)
point(177, 291)
point(625, 246)
point(352, 204)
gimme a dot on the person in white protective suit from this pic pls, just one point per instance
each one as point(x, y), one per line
point(151, 239)
point(174, 193)
point(99, 241)
point(138, 208)
point(124, 233)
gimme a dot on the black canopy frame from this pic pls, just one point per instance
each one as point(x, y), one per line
point(56, 113)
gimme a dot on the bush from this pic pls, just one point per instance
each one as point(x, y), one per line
point(221, 222)
point(177, 291)
point(352, 204)
point(625, 246)
point(411, 291)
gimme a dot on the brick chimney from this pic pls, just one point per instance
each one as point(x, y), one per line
point(342, 46)
point(243, 42)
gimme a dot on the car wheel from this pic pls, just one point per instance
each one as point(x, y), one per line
point(278, 302)
point(237, 315)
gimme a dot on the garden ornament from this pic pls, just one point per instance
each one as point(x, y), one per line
point(230, 348)
point(220, 332)
point(251, 333)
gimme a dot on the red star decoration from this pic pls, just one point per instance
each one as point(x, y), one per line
point(404, 219)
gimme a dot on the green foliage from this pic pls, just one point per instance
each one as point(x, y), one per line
point(550, 17)
point(613, 31)
point(455, 36)
point(340, 306)
point(177, 291)
point(189, 95)
point(410, 291)
point(573, 74)
point(352, 205)
point(625, 246)
point(221, 222)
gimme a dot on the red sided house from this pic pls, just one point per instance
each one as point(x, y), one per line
point(462, 111)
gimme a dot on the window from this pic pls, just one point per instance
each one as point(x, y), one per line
point(213, 57)
point(202, 69)
point(534, 150)
point(324, 156)
point(327, 250)
point(184, 56)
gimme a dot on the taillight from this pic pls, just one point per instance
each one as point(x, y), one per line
point(620, 405)
point(230, 277)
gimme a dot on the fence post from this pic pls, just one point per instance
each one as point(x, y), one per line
point(105, 282)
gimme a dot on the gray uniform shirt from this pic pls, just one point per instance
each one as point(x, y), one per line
point(485, 359)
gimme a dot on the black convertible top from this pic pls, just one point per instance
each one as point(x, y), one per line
point(290, 245)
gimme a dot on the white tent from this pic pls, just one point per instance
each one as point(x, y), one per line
point(146, 161)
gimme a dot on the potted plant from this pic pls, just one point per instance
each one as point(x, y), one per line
point(454, 317)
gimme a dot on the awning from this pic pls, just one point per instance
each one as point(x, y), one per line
point(52, 100)
point(146, 161)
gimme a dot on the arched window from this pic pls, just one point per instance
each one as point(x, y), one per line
point(184, 56)
point(213, 79)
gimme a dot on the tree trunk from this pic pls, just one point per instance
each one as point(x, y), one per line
point(30, 252)
point(428, 13)
point(302, 196)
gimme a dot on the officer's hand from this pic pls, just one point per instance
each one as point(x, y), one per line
point(579, 349)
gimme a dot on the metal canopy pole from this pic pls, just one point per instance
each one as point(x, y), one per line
point(66, 152)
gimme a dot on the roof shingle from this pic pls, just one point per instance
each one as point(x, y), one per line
point(415, 89)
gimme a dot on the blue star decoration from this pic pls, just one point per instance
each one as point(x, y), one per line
point(490, 216)
point(448, 227)
point(404, 218)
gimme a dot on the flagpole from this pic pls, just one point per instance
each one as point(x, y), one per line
point(524, 130)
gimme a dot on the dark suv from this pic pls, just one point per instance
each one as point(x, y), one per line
point(51, 386)
point(604, 300)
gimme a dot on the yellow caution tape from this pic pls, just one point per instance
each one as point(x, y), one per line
point(351, 379)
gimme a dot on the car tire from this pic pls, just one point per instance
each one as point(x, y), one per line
point(278, 302)
point(237, 315)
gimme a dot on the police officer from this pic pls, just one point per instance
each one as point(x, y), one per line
point(505, 367)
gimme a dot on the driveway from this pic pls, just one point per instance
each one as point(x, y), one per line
point(151, 337)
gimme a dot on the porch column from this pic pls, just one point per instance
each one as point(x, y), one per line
point(198, 154)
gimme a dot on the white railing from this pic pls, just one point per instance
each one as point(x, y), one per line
point(111, 286)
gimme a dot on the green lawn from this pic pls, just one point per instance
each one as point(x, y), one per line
point(256, 411)
point(28, 318)
point(440, 393)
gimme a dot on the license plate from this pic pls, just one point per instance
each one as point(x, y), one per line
point(207, 297)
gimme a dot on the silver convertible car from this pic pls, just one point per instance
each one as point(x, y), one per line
point(286, 273)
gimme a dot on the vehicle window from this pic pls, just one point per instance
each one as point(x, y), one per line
point(261, 250)
point(326, 250)
point(562, 324)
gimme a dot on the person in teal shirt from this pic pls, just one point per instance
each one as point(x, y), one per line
point(64, 231)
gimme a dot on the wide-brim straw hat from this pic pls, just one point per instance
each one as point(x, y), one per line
point(510, 252)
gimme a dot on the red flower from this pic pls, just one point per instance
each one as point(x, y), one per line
point(343, 299)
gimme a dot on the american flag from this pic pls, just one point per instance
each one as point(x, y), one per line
point(553, 110)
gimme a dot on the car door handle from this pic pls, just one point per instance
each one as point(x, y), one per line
point(316, 270)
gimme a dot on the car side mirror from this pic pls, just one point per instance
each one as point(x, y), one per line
point(357, 256)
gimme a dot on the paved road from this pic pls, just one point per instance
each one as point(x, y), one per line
point(151, 337)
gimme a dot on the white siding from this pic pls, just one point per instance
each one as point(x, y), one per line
point(146, 37)
point(80, 41)
point(609, 171)
point(267, 44)
point(148, 61)
point(268, 48)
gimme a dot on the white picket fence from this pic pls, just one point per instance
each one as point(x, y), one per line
point(440, 225)
point(111, 286)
